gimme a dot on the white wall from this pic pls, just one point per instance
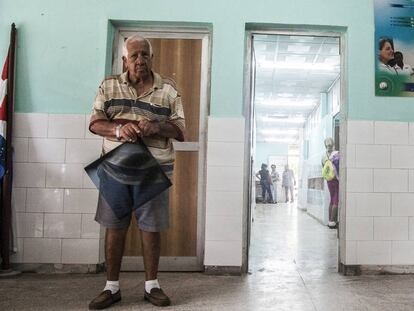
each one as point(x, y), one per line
point(53, 200)
point(225, 182)
point(380, 193)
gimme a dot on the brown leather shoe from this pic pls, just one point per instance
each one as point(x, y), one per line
point(104, 300)
point(157, 297)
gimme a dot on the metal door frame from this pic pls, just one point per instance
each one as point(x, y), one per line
point(292, 30)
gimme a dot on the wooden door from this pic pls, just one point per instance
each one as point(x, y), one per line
point(179, 59)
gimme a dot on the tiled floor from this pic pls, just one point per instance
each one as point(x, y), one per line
point(292, 267)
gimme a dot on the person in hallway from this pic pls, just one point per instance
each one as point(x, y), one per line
point(275, 178)
point(137, 104)
point(331, 175)
point(386, 55)
point(265, 182)
point(401, 67)
point(288, 182)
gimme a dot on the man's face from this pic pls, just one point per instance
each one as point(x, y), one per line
point(139, 61)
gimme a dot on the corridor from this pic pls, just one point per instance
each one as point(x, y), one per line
point(294, 259)
point(292, 267)
point(286, 239)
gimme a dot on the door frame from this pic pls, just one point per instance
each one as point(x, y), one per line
point(203, 33)
point(248, 110)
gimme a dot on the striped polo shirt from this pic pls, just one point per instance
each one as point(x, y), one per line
point(117, 101)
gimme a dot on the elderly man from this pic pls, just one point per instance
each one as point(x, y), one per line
point(136, 104)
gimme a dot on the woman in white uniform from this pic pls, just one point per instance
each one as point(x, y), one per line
point(386, 55)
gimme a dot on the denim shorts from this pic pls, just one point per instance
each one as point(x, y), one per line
point(152, 216)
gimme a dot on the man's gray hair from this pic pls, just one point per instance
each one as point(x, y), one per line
point(135, 38)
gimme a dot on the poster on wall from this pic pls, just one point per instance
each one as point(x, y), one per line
point(394, 47)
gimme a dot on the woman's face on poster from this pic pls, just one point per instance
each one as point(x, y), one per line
point(386, 53)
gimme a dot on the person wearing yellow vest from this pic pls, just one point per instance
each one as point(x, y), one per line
point(330, 172)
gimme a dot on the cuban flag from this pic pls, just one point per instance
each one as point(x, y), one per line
point(3, 116)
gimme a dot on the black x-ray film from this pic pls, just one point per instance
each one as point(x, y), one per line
point(131, 164)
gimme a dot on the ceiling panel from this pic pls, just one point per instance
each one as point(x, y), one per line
point(291, 72)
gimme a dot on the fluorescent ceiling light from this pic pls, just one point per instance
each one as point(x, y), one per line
point(287, 103)
point(288, 83)
point(279, 135)
point(280, 140)
point(283, 120)
point(298, 66)
point(278, 132)
point(298, 48)
point(284, 95)
point(295, 59)
point(273, 137)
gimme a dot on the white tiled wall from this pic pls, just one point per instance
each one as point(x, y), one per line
point(55, 201)
point(224, 202)
point(380, 193)
point(53, 198)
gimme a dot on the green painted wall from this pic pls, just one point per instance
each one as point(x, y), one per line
point(62, 48)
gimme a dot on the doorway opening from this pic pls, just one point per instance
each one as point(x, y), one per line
point(295, 103)
point(182, 247)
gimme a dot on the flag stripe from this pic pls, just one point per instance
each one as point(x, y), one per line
point(3, 115)
point(3, 92)
point(3, 128)
point(5, 72)
point(3, 89)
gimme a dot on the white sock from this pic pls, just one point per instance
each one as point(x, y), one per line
point(151, 284)
point(113, 286)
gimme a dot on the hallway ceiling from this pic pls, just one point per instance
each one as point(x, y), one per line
point(291, 72)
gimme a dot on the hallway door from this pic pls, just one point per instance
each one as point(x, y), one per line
point(181, 57)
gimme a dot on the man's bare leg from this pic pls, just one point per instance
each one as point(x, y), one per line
point(151, 245)
point(114, 250)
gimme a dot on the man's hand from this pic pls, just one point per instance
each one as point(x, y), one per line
point(129, 132)
point(149, 128)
